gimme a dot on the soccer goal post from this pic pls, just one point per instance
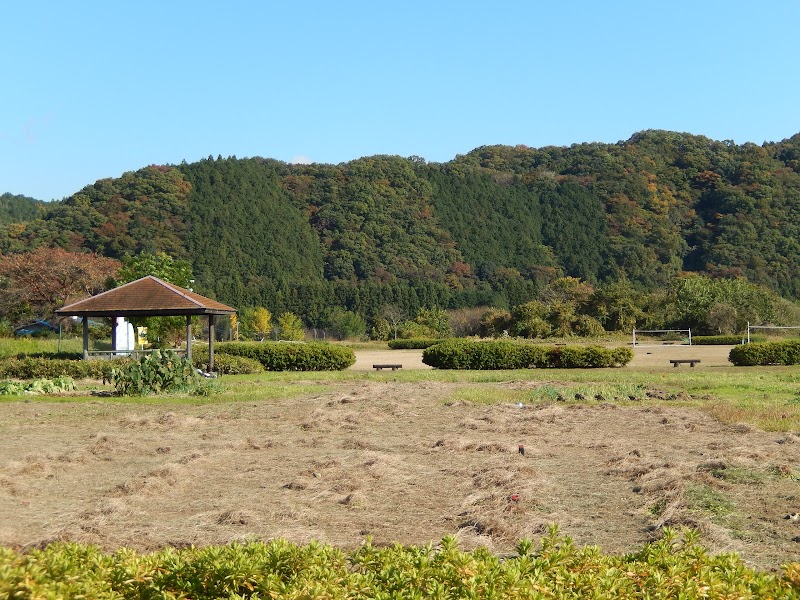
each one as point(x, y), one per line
point(769, 327)
point(661, 337)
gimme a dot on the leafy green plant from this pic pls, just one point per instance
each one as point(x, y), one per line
point(159, 371)
point(38, 386)
point(671, 567)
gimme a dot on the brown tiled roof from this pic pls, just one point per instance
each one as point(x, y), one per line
point(146, 297)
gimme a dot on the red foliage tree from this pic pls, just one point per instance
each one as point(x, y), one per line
point(35, 284)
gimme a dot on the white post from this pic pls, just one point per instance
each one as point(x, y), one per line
point(634, 337)
point(748, 332)
point(690, 336)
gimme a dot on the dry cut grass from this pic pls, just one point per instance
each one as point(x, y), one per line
point(338, 460)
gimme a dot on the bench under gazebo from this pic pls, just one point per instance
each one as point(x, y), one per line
point(149, 297)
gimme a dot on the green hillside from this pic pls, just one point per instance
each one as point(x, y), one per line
point(16, 208)
point(489, 227)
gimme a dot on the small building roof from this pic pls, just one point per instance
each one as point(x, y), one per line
point(146, 297)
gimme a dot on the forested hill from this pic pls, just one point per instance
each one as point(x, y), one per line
point(489, 227)
point(14, 208)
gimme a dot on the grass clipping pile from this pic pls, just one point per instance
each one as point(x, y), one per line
point(397, 462)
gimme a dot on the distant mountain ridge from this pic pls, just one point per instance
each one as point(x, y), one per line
point(488, 227)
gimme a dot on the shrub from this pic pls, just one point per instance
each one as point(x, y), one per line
point(229, 364)
point(154, 373)
point(478, 355)
point(720, 340)
point(52, 355)
point(766, 353)
point(413, 343)
point(556, 567)
point(281, 356)
point(48, 368)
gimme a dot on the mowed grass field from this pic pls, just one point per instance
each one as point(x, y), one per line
point(611, 456)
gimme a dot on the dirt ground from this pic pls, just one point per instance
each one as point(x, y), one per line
point(396, 461)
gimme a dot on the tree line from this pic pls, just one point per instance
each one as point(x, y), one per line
point(495, 227)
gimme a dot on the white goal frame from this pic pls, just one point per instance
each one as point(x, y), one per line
point(749, 327)
point(637, 345)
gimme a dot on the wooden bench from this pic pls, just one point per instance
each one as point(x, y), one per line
point(392, 367)
point(692, 361)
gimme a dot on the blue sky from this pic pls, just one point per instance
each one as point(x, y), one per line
point(93, 89)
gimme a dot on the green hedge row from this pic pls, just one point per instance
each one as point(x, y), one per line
point(228, 364)
point(480, 355)
point(48, 368)
point(288, 356)
point(555, 568)
point(414, 343)
point(723, 340)
point(766, 353)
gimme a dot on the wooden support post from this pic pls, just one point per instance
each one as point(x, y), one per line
point(210, 343)
point(85, 338)
point(113, 336)
point(189, 337)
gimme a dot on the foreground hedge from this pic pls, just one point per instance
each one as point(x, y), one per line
point(413, 343)
point(48, 368)
point(480, 355)
point(767, 353)
point(668, 568)
point(287, 356)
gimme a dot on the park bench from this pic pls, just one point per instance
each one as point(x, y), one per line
point(392, 367)
point(692, 361)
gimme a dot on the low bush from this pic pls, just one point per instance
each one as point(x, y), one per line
point(228, 364)
point(52, 355)
point(283, 356)
point(413, 343)
point(506, 354)
point(48, 368)
point(722, 340)
point(670, 567)
point(766, 353)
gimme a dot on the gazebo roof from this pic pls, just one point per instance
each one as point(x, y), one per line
point(146, 297)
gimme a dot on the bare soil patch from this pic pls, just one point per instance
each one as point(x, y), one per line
point(396, 461)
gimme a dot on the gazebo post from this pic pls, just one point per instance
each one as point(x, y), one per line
point(85, 338)
point(210, 343)
point(113, 336)
point(189, 337)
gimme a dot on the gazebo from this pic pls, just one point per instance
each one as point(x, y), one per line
point(149, 297)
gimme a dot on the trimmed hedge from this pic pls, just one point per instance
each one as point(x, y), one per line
point(414, 343)
point(723, 340)
point(287, 356)
point(48, 368)
point(228, 364)
point(483, 355)
point(766, 353)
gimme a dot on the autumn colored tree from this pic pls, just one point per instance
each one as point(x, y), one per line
point(290, 327)
point(262, 322)
point(36, 284)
